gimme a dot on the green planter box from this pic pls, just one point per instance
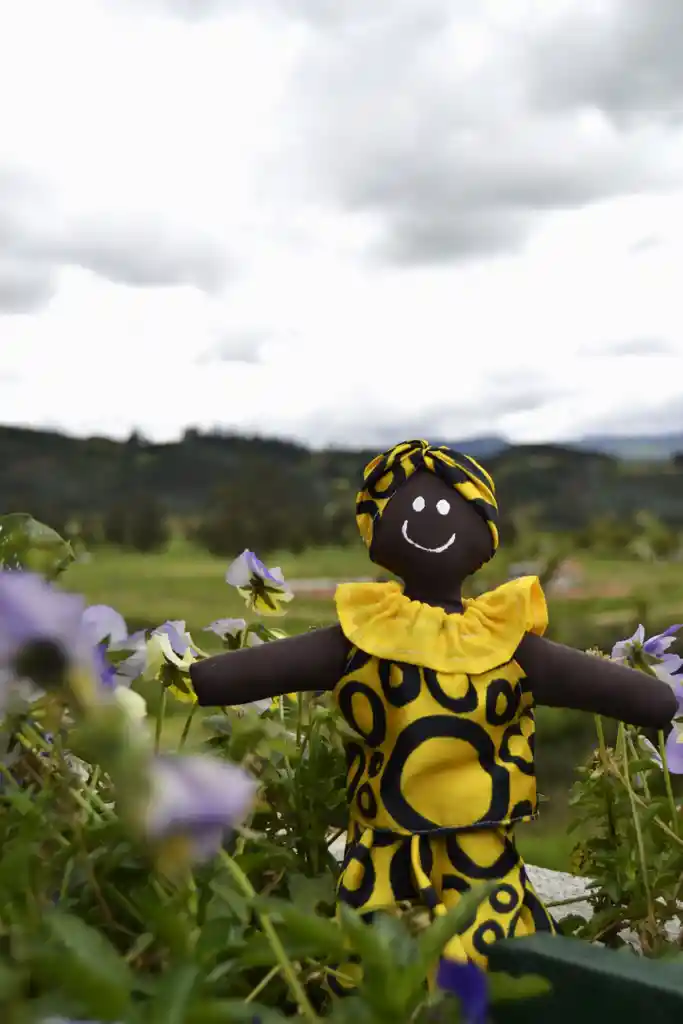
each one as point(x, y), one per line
point(591, 985)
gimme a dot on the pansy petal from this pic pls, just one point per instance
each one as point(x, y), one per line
point(650, 750)
point(238, 572)
point(226, 627)
point(674, 752)
point(257, 568)
point(199, 798)
point(468, 982)
point(104, 623)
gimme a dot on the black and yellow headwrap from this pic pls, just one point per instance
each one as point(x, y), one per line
point(384, 474)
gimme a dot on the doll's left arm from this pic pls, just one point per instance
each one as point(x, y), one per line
point(562, 677)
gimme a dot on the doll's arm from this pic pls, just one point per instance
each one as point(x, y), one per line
point(312, 661)
point(562, 677)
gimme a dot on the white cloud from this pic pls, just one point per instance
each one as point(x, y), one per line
point(343, 223)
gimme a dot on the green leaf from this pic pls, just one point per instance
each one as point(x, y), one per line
point(27, 544)
point(642, 765)
point(82, 963)
point(173, 995)
point(224, 1011)
point(226, 898)
point(10, 983)
point(309, 893)
point(365, 939)
point(505, 988)
point(433, 941)
point(320, 932)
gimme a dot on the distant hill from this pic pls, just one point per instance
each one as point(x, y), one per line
point(54, 476)
point(636, 448)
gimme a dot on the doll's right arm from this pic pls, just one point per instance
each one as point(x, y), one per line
point(311, 661)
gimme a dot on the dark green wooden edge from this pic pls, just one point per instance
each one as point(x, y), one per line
point(590, 984)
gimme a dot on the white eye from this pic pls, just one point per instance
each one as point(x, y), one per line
point(418, 503)
point(443, 507)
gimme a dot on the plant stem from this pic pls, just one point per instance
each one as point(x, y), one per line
point(186, 727)
point(263, 983)
point(583, 898)
point(161, 713)
point(295, 986)
point(636, 821)
point(667, 781)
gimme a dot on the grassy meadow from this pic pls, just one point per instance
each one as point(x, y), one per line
point(185, 583)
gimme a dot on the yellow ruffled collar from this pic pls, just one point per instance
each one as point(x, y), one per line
point(380, 620)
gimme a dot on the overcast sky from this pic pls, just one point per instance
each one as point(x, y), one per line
point(340, 220)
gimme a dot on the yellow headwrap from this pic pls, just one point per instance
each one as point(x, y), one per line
point(386, 472)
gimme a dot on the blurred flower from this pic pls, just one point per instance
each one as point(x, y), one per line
point(105, 670)
point(132, 703)
point(41, 633)
point(467, 981)
point(264, 590)
point(673, 749)
point(650, 750)
point(194, 801)
point(103, 623)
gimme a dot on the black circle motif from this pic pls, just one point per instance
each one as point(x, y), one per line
point(462, 862)
point(356, 898)
point(354, 753)
point(504, 898)
point(496, 689)
point(438, 727)
point(376, 762)
point(366, 801)
point(357, 659)
point(401, 693)
point(485, 935)
point(378, 729)
point(459, 705)
point(506, 755)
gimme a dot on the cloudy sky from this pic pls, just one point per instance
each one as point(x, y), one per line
point(339, 220)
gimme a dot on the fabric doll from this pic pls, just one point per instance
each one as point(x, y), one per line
point(440, 692)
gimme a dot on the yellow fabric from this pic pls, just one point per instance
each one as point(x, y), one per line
point(380, 620)
point(445, 730)
point(384, 474)
point(381, 872)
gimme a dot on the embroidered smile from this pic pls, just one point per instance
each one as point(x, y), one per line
point(433, 551)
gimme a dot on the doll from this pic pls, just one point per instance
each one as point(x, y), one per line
point(440, 693)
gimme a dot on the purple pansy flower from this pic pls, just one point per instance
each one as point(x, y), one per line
point(226, 627)
point(33, 611)
point(106, 671)
point(263, 589)
point(247, 566)
point(673, 749)
point(175, 630)
point(103, 623)
point(655, 649)
point(198, 798)
point(468, 982)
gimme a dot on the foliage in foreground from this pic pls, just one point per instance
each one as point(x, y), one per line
point(131, 893)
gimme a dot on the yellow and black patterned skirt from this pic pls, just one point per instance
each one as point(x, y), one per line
point(384, 871)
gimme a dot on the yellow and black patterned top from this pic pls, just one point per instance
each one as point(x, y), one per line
point(444, 720)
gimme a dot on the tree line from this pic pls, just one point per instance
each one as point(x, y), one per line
point(227, 492)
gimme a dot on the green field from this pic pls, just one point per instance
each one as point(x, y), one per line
point(187, 584)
